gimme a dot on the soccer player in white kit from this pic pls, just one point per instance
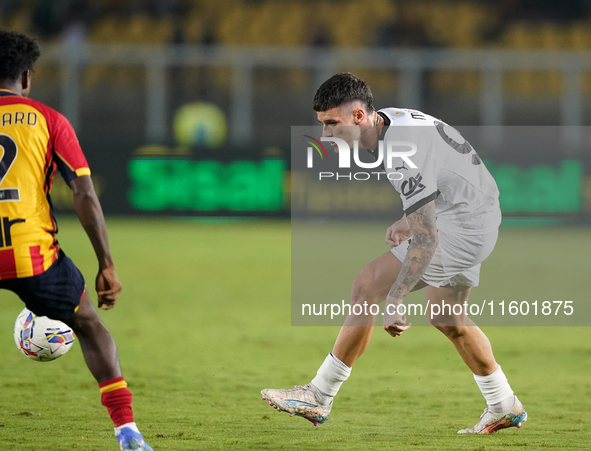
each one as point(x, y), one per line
point(450, 225)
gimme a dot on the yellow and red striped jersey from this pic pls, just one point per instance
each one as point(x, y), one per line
point(35, 140)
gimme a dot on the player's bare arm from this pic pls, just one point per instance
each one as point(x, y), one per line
point(90, 214)
point(420, 252)
point(398, 232)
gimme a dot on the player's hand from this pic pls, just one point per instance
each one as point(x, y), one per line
point(397, 233)
point(108, 288)
point(394, 324)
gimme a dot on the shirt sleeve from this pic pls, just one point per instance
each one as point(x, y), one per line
point(67, 152)
point(416, 186)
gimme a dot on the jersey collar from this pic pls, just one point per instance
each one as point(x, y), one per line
point(387, 123)
point(6, 92)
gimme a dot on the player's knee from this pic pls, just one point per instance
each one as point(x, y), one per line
point(363, 290)
point(450, 331)
point(85, 322)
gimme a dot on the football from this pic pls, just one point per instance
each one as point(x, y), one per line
point(40, 338)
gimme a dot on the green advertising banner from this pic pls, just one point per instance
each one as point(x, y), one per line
point(259, 181)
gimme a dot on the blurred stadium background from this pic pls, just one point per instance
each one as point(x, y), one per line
point(174, 99)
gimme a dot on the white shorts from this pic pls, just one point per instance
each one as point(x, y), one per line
point(456, 260)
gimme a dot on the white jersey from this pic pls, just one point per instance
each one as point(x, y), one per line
point(448, 171)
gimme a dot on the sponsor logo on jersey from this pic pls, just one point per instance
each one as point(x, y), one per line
point(412, 186)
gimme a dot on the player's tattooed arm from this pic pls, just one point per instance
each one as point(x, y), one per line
point(420, 252)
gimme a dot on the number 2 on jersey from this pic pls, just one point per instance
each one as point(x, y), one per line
point(9, 153)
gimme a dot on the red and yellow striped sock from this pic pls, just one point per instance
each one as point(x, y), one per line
point(117, 399)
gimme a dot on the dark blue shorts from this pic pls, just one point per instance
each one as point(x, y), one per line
point(55, 293)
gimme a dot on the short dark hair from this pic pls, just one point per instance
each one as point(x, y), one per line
point(18, 53)
point(340, 89)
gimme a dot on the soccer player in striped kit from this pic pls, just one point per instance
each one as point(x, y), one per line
point(36, 142)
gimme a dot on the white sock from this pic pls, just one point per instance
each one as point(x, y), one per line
point(330, 376)
point(496, 390)
point(131, 426)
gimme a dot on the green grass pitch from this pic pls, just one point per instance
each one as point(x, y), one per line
point(203, 324)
